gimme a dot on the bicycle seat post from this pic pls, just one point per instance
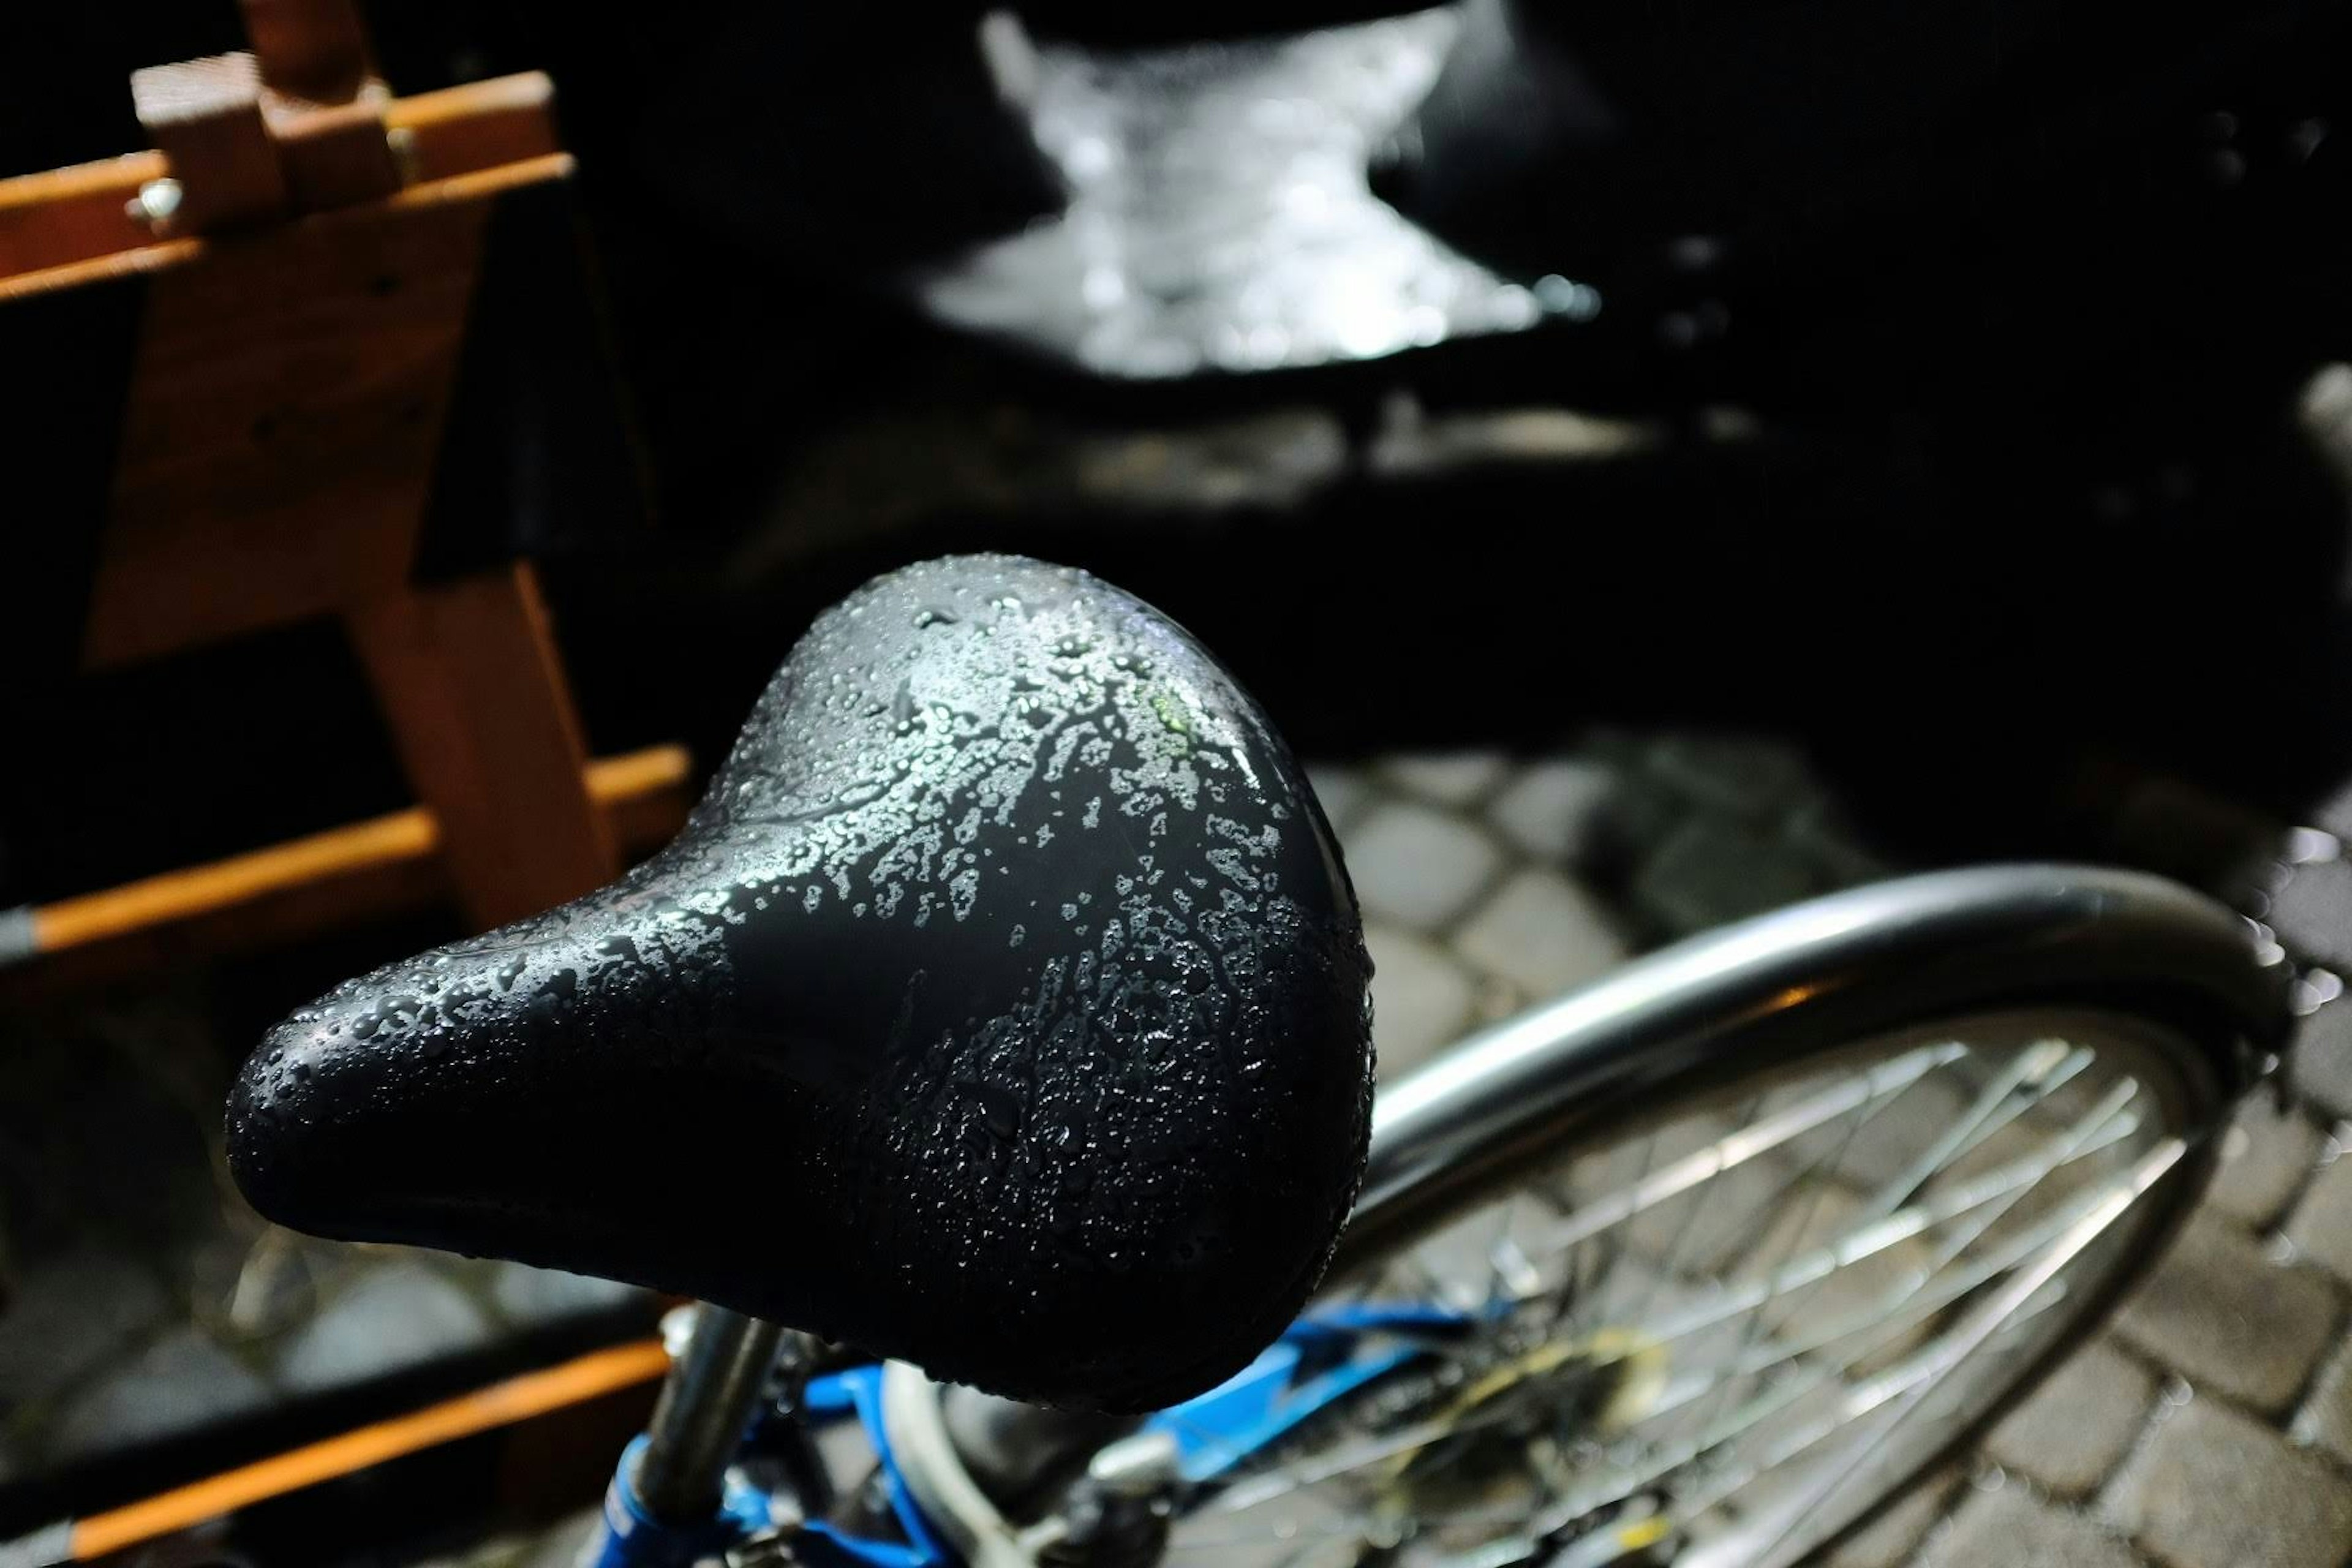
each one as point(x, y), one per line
point(705, 1406)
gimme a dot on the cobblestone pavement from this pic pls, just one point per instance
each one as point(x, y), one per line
point(146, 1302)
point(2210, 1426)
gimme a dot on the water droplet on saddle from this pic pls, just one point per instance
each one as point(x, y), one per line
point(1000, 1108)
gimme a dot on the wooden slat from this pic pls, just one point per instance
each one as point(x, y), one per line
point(307, 885)
point(474, 690)
point(466, 129)
point(205, 116)
point(397, 851)
point(473, 186)
point(74, 217)
point(280, 385)
point(334, 154)
point(315, 49)
point(323, 102)
point(277, 384)
point(280, 434)
point(64, 215)
point(643, 796)
point(516, 1400)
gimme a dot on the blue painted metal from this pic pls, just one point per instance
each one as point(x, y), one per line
point(832, 1397)
point(633, 1538)
point(864, 1388)
point(1322, 1358)
point(1387, 1317)
point(1319, 1359)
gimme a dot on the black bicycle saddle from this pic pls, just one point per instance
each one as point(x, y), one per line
point(1001, 1008)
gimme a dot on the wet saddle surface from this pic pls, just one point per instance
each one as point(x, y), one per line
point(1001, 1007)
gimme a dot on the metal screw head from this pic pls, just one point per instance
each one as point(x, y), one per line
point(157, 203)
point(676, 1328)
point(407, 157)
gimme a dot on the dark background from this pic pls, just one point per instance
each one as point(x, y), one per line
point(1992, 454)
point(2018, 328)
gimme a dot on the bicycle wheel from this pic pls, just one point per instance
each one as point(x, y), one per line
point(1717, 1284)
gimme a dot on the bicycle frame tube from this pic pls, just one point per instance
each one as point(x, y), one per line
point(1321, 1359)
point(633, 1537)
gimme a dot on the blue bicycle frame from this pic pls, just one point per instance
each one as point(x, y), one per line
point(1321, 1360)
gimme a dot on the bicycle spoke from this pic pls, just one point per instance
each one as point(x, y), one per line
point(1340, 1528)
point(2049, 1063)
point(1734, 1362)
point(1942, 1358)
point(1514, 1268)
point(1739, 1148)
point(1506, 1268)
point(1816, 1175)
point(1910, 1301)
point(1868, 1398)
point(1864, 1242)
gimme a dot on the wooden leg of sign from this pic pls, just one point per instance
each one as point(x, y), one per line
point(471, 684)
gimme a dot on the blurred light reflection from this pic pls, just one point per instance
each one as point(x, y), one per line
point(1221, 217)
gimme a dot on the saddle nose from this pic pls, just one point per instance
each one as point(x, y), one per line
point(1002, 1008)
